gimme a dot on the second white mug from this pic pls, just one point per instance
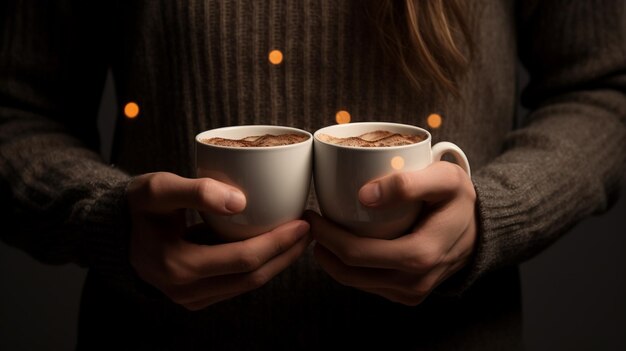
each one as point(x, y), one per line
point(341, 171)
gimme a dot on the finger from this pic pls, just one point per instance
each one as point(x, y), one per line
point(165, 192)
point(397, 296)
point(434, 183)
point(235, 284)
point(358, 251)
point(193, 262)
point(395, 286)
point(414, 291)
point(357, 277)
point(199, 305)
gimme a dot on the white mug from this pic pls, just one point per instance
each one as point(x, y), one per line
point(275, 179)
point(340, 171)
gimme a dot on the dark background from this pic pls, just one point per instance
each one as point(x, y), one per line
point(574, 293)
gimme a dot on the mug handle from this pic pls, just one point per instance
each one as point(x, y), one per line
point(444, 147)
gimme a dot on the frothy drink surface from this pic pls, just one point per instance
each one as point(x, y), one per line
point(258, 140)
point(376, 138)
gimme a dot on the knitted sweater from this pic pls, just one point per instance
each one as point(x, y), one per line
point(194, 65)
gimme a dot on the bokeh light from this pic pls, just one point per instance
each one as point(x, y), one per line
point(131, 110)
point(397, 162)
point(342, 117)
point(276, 57)
point(434, 120)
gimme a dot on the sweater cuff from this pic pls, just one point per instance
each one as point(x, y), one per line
point(106, 228)
point(487, 246)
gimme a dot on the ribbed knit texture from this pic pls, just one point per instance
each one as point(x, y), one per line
point(195, 65)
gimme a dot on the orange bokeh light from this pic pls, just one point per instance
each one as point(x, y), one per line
point(434, 120)
point(131, 110)
point(397, 162)
point(342, 117)
point(276, 57)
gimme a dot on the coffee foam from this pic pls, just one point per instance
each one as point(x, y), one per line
point(377, 138)
point(266, 140)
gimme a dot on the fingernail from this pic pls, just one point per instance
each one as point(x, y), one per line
point(235, 201)
point(370, 193)
point(302, 229)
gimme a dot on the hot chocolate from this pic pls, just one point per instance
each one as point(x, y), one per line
point(377, 138)
point(258, 140)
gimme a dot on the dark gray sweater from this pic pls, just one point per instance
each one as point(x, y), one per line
point(194, 65)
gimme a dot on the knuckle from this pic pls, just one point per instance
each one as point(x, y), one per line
point(176, 273)
point(467, 186)
point(413, 300)
point(145, 189)
point(422, 262)
point(404, 299)
point(154, 183)
point(351, 256)
point(459, 174)
point(256, 280)
point(429, 260)
point(281, 244)
point(455, 176)
point(471, 193)
point(248, 261)
point(195, 306)
point(403, 184)
point(419, 291)
point(414, 264)
point(204, 186)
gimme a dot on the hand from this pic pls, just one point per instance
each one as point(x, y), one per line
point(192, 275)
point(408, 268)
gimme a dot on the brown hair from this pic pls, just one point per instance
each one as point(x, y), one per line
point(424, 38)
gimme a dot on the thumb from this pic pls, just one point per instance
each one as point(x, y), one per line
point(437, 182)
point(164, 192)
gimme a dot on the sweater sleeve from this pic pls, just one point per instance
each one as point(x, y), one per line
point(58, 200)
point(566, 163)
